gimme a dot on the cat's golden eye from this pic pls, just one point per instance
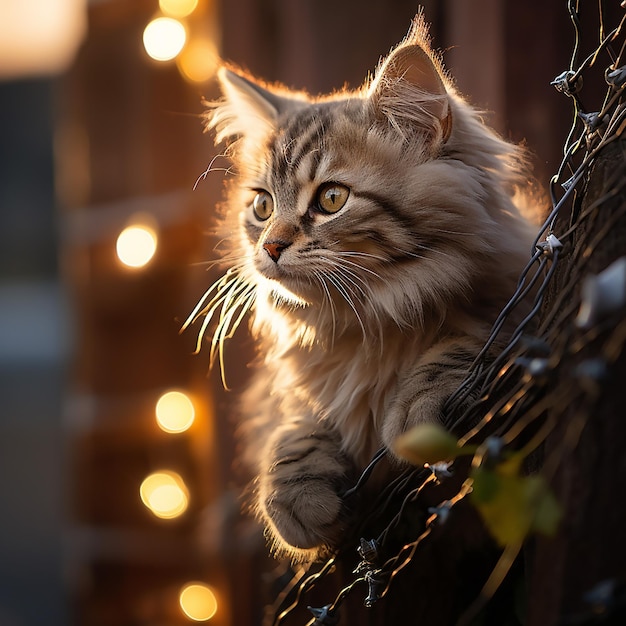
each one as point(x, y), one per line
point(262, 205)
point(331, 197)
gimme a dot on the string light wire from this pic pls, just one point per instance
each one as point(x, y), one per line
point(511, 393)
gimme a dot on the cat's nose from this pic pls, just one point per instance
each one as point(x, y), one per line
point(275, 249)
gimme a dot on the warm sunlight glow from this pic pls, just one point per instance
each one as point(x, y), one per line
point(198, 61)
point(164, 38)
point(178, 8)
point(165, 494)
point(198, 602)
point(136, 245)
point(175, 412)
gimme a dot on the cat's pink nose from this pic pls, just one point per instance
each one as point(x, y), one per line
point(275, 249)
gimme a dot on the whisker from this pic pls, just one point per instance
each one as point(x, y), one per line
point(327, 298)
point(226, 295)
point(340, 287)
point(354, 279)
point(365, 255)
point(227, 326)
point(426, 249)
point(222, 302)
point(364, 289)
point(198, 310)
point(224, 260)
point(210, 168)
point(362, 268)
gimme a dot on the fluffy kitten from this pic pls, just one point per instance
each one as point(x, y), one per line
point(374, 239)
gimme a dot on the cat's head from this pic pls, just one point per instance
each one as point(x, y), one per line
point(364, 206)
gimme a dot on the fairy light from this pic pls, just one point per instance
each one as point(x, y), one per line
point(178, 8)
point(165, 494)
point(198, 61)
point(175, 412)
point(198, 602)
point(136, 245)
point(38, 38)
point(164, 38)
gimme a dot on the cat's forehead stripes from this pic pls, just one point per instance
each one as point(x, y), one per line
point(302, 136)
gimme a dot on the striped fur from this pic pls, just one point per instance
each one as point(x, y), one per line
point(370, 316)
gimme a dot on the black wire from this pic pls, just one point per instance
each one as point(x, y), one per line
point(481, 391)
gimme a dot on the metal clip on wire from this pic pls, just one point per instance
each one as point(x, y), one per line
point(368, 551)
point(590, 120)
point(563, 83)
point(615, 78)
point(439, 514)
point(324, 616)
point(374, 584)
point(441, 470)
point(549, 246)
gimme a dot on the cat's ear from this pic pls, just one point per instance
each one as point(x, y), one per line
point(248, 109)
point(408, 90)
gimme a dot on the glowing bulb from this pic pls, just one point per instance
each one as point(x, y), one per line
point(175, 412)
point(178, 8)
point(136, 245)
point(164, 38)
point(198, 602)
point(165, 494)
point(198, 61)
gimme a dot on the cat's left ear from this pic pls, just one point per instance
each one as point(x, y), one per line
point(409, 92)
point(248, 109)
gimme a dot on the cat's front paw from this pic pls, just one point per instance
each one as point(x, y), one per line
point(300, 493)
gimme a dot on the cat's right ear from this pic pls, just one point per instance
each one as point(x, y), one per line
point(248, 109)
point(409, 92)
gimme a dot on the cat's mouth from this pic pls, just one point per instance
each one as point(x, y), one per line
point(288, 281)
point(280, 264)
point(278, 270)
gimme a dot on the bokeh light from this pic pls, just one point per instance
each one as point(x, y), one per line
point(136, 245)
point(165, 494)
point(198, 61)
point(175, 412)
point(198, 602)
point(178, 8)
point(164, 38)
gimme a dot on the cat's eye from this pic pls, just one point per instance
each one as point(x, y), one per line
point(262, 205)
point(331, 197)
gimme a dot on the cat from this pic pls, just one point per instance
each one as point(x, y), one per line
point(373, 237)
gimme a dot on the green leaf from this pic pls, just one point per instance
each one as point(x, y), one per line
point(501, 501)
point(513, 505)
point(427, 443)
point(548, 514)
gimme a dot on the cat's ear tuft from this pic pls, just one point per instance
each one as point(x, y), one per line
point(247, 110)
point(247, 94)
point(409, 91)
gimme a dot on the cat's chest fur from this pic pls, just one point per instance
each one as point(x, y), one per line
point(347, 383)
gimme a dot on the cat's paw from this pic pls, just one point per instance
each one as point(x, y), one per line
point(300, 493)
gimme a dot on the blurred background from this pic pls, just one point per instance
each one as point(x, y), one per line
point(118, 476)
